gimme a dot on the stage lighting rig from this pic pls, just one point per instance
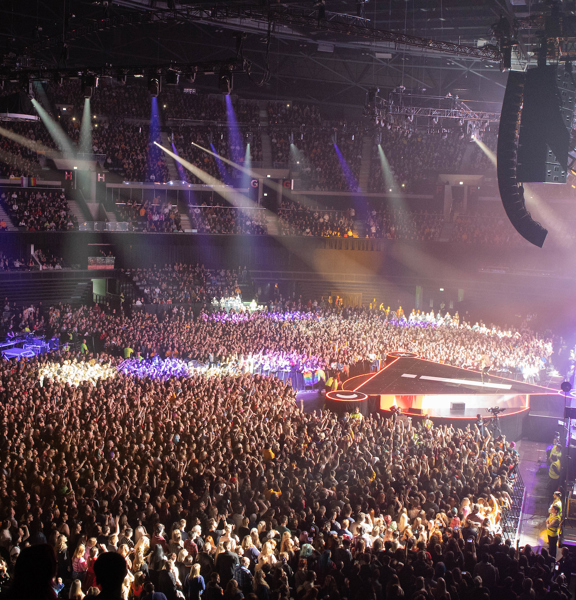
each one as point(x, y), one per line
point(89, 84)
point(225, 81)
point(414, 112)
point(373, 105)
point(172, 77)
point(154, 85)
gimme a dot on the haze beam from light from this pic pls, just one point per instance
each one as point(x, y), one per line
point(153, 135)
point(11, 159)
point(303, 200)
point(27, 143)
point(292, 244)
point(491, 155)
point(62, 140)
point(86, 129)
point(245, 179)
point(232, 196)
point(351, 181)
point(389, 179)
point(545, 213)
point(221, 168)
point(235, 141)
point(181, 170)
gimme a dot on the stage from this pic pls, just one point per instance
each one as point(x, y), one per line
point(25, 347)
point(445, 393)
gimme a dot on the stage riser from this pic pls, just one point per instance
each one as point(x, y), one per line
point(541, 428)
point(547, 405)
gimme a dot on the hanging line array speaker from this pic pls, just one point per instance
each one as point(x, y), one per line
point(511, 190)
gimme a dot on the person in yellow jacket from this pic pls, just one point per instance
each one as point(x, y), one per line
point(557, 501)
point(555, 452)
point(356, 415)
point(554, 472)
point(553, 530)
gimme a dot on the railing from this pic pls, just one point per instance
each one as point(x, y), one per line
point(104, 226)
point(510, 520)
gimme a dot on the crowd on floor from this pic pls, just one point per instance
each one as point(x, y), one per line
point(306, 336)
point(220, 486)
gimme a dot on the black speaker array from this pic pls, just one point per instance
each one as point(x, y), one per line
point(546, 124)
point(511, 191)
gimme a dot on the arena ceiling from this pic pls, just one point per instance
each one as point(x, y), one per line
point(290, 60)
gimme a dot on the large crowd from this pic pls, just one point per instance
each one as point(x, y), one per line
point(184, 284)
point(218, 219)
point(291, 333)
point(158, 215)
point(302, 137)
point(221, 487)
point(42, 210)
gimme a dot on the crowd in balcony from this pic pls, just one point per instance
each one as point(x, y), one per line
point(219, 141)
point(43, 259)
point(130, 151)
point(16, 159)
point(156, 215)
point(39, 210)
point(415, 158)
point(314, 157)
point(218, 218)
point(296, 219)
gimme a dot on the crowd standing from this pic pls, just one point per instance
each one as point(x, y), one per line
point(221, 487)
point(213, 487)
point(317, 335)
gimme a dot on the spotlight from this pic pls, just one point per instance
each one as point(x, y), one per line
point(291, 138)
point(154, 86)
point(172, 77)
point(89, 84)
point(225, 81)
point(335, 137)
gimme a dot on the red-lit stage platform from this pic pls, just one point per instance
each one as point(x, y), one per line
point(445, 393)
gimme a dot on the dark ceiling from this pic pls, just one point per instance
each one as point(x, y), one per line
point(305, 62)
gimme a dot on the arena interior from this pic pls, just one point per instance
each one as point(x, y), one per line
point(287, 305)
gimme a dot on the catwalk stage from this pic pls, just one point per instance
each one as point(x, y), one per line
point(452, 395)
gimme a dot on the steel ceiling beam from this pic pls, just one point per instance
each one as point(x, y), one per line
point(257, 17)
